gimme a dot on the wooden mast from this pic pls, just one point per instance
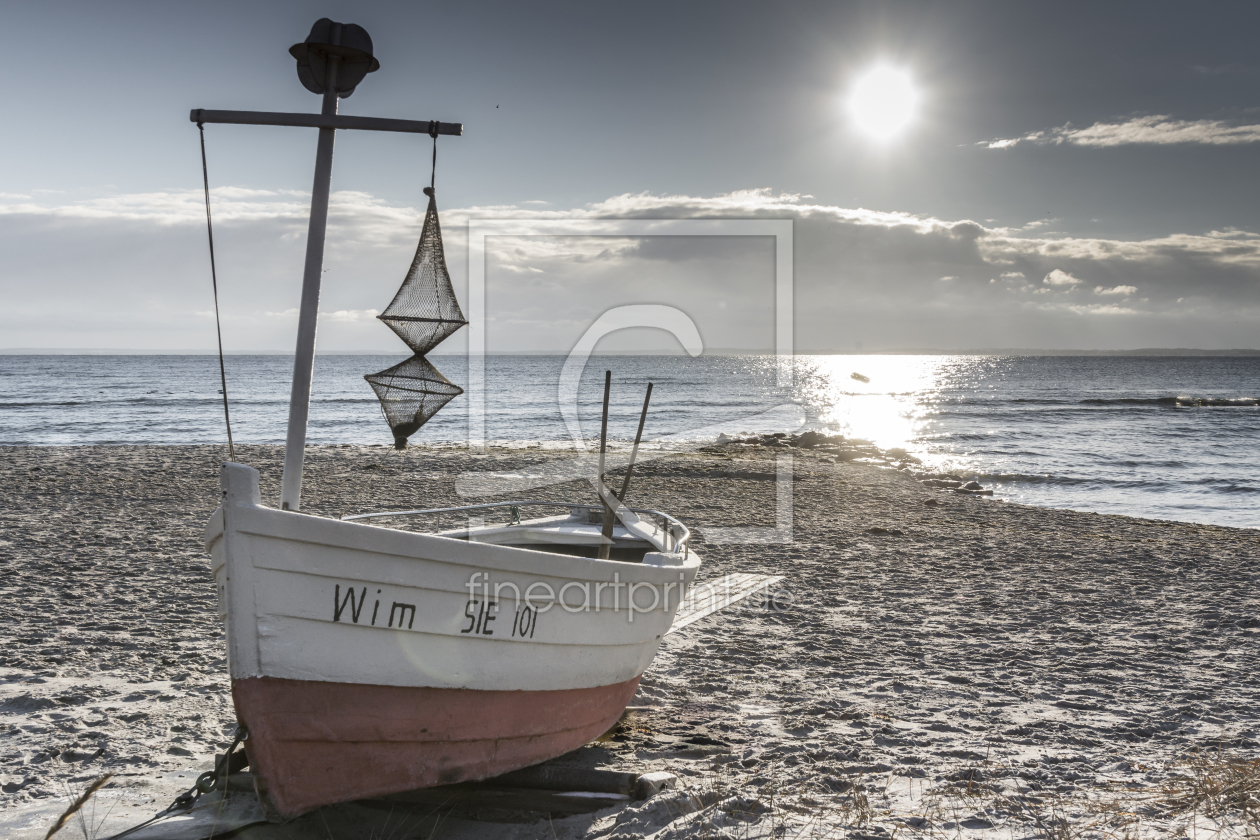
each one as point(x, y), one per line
point(308, 315)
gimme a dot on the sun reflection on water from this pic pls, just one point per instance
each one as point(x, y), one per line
point(898, 406)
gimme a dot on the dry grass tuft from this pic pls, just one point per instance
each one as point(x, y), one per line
point(76, 805)
point(1215, 785)
point(1220, 786)
point(1005, 797)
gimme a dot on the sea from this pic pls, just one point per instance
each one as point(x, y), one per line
point(1171, 438)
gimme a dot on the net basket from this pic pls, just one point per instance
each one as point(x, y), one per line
point(425, 312)
point(411, 392)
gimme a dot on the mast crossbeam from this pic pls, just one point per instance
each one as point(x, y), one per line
point(203, 115)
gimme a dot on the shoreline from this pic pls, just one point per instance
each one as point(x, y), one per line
point(1157, 352)
point(1140, 437)
point(1051, 657)
point(867, 454)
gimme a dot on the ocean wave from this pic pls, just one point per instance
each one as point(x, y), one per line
point(1103, 483)
point(1177, 401)
point(1021, 478)
point(1156, 484)
point(971, 403)
point(1223, 485)
point(1235, 402)
point(59, 404)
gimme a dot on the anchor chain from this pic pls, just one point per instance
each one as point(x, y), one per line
point(210, 780)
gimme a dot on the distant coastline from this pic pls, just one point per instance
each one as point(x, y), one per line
point(712, 351)
point(1024, 351)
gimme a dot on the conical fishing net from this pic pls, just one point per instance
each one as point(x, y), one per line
point(410, 393)
point(425, 311)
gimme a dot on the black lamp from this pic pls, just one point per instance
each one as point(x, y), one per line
point(348, 41)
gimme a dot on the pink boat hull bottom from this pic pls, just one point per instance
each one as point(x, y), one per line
point(315, 743)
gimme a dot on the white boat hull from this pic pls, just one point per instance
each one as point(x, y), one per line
point(368, 611)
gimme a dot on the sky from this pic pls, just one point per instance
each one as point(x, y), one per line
point(1073, 175)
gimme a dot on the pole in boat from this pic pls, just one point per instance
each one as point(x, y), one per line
point(625, 485)
point(331, 62)
point(308, 315)
point(609, 521)
point(601, 488)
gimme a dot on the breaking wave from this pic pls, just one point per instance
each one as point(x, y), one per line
point(1182, 401)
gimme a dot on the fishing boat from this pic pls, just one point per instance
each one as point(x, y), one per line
point(367, 660)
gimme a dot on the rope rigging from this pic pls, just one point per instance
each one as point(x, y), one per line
point(433, 132)
point(214, 282)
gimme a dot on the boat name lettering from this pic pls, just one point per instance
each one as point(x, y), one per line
point(481, 613)
point(525, 623)
point(404, 613)
point(479, 616)
point(339, 603)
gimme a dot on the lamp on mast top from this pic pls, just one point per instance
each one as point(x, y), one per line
point(348, 42)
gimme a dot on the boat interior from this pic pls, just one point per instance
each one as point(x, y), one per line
point(578, 532)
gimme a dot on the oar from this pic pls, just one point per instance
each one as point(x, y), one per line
point(603, 446)
point(606, 542)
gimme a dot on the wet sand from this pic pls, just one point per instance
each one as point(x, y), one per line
point(944, 664)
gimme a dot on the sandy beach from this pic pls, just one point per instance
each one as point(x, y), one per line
point(937, 664)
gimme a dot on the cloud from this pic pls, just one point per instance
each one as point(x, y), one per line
point(349, 315)
point(1102, 309)
point(130, 271)
point(338, 316)
point(1060, 278)
point(1152, 130)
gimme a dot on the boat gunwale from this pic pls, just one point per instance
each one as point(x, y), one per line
point(679, 542)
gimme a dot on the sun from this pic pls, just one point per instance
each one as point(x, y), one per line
point(883, 102)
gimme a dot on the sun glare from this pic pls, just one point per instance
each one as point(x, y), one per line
point(883, 102)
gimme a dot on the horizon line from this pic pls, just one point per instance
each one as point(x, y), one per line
point(716, 351)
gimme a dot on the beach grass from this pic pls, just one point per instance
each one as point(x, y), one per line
point(76, 807)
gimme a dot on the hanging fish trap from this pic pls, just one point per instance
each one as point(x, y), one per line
point(423, 313)
point(410, 393)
